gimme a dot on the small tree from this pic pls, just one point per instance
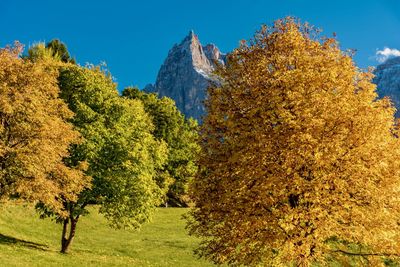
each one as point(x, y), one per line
point(59, 49)
point(121, 153)
point(39, 53)
point(181, 137)
point(55, 51)
point(35, 135)
point(297, 151)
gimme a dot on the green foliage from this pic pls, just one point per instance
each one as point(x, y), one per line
point(59, 49)
point(119, 148)
point(122, 155)
point(181, 137)
point(39, 52)
point(54, 50)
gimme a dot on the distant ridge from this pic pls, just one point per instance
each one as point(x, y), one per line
point(387, 79)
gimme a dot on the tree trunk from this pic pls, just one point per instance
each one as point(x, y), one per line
point(66, 238)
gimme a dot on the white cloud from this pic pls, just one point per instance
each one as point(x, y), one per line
point(383, 55)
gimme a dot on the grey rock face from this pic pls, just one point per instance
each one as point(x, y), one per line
point(186, 74)
point(387, 79)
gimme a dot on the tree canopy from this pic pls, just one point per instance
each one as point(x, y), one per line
point(59, 49)
point(120, 150)
point(35, 135)
point(55, 50)
point(181, 137)
point(299, 157)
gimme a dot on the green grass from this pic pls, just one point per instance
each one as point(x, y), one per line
point(26, 240)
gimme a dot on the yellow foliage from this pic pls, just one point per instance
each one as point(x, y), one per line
point(34, 134)
point(297, 150)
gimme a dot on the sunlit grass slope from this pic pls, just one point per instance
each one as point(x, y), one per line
point(26, 240)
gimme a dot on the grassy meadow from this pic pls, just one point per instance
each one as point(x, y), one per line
point(26, 240)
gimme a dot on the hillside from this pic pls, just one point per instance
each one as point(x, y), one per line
point(26, 240)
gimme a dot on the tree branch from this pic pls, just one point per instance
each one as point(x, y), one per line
point(366, 254)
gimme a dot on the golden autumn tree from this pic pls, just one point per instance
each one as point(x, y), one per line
point(300, 160)
point(34, 134)
point(122, 155)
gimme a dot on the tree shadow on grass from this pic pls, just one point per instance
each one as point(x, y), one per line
point(9, 240)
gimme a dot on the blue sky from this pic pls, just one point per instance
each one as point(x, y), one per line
point(133, 37)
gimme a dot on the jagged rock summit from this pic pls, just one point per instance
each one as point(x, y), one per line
point(387, 79)
point(186, 73)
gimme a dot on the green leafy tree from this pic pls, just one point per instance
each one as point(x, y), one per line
point(300, 159)
point(121, 152)
point(35, 134)
point(181, 138)
point(53, 50)
point(39, 52)
point(59, 49)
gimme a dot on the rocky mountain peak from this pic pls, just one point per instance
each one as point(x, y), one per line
point(200, 61)
point(190, 37)
point(387, 79)
point(186, 73)
point(212, 52)
point(389, 63)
